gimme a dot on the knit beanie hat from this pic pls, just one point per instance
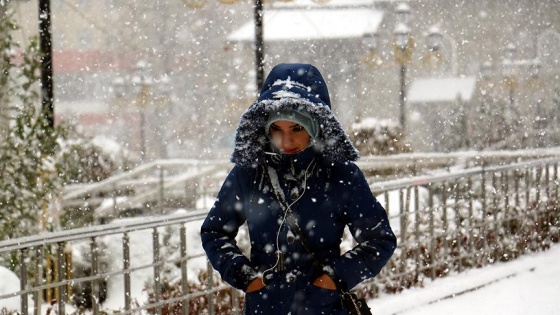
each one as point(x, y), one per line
point(300, 117)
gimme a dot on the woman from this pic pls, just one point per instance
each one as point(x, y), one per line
point(294, 175)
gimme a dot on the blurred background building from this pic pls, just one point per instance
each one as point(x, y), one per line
point(170, 79)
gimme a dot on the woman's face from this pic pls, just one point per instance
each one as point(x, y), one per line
point(289, 137)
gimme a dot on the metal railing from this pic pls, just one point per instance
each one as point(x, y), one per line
point(470, 218)
point(37, 249)
point(149, 184)
point(444, 222)
point(185, 180)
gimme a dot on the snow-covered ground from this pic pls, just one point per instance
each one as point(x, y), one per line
point(528, 285)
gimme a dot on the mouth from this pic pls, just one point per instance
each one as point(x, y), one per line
point(291, 151)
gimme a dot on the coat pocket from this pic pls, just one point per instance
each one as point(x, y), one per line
point(322, 298)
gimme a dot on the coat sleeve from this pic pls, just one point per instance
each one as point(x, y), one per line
point(368, 222)
point(219, 230)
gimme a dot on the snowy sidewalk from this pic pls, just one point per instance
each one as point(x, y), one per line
point(527, 285)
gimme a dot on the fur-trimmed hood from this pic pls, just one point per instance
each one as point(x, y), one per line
point(295, 87)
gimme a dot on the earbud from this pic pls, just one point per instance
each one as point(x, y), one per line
point(290, 237)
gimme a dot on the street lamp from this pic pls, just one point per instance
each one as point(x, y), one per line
point(508, 68)
point(403, 47)
point(486, 70)
point(164, 111)
point(403, 13)
point(402, 50)
point(435, 40)
point(540, 121)
point(517, 74)
point(140, 85)
point(370, 41)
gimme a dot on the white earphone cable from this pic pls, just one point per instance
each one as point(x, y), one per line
point(288, 209)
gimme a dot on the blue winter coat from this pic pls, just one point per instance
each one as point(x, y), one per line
point(326, 191)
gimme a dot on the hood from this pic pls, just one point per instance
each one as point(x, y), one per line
point(291, 87)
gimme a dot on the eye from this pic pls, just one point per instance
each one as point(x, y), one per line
point(298, 128)
point(273, 127)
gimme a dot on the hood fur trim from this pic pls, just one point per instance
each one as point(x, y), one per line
point(299, 87)
point(333, 144)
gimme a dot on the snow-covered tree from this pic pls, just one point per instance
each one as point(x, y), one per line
point(88, 160)
point(84, 160)
point(30, 180)
point(494, 118)
point(372, 136)
point(36, 161)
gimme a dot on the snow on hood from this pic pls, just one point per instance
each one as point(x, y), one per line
point(295, 87)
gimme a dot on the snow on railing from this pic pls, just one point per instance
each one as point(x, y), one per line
point(183, 180)
point(150, 183)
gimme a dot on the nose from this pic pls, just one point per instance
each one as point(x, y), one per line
point(287, 140)
point(283, 141)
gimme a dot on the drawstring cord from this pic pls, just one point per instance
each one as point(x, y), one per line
point(286, 208)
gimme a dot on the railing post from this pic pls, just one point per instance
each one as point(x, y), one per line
point(506, 203)
point(94, 272)
point(459, 198)
point(528, 182)
point(444, 226)
point(23, 281)
point(471, 218)
point(38, 297)
point(210, 286)
point(556, 180)
point(157, 270)
point(387, 202)
point(537, 212)
point(404, 207)
point(517, 190)
point(483, 224)
point(495, 189)
point(50, 274)
point(62, 296)
point(184, 274)
point(538, 180)
point(403, 212)
point(432, 231)
point(126, 274)
point(547, 176)
point(548, 219)
point(457, 235)
point(69, 270)
point(497, 183)
point(417, 230)
point(161, 187)
point(527, 187)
